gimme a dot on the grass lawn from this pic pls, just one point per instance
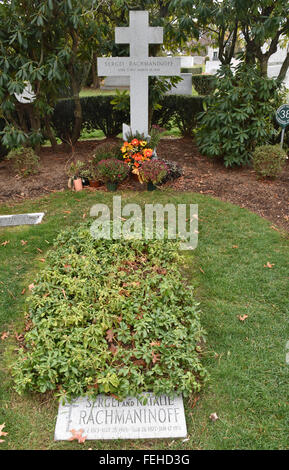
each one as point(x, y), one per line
point(248, 386)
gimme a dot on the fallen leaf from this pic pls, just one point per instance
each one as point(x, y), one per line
point(202, 271)
point(5, 243)
point(67, 212)
point(269, 265)
point(42, 260)
point(39, 249)
point(155, 357)
point(23, 242)
point(4, 335)
point(243, 317)
point(77, 436)
point(23, 292)
point(84, 216)
point(155, 343)
point(2, 433)
point(110, 335)
point(31, 286)
point(113, 349)
point(235, 246)
point(214, 417)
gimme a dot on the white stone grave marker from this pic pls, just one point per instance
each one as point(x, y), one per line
point(107, 418)
point(139, 66)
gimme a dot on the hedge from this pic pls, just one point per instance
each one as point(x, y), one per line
point(204, 84)
point(179, 111)
point(98, 113)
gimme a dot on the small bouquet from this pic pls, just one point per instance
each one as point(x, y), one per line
point(135, 153)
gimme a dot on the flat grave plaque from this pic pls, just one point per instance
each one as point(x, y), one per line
point(107, 418)
point(21, 219)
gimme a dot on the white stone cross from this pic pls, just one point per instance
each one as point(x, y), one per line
point(139, 66)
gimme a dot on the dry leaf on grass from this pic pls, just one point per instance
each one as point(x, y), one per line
point(77, 436)
point(243, 317)
point(269, 265)
point(214, 417)
point(4, 335)
point(2, 433)
point(5, 243)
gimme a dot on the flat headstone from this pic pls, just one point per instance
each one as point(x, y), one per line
point(107, 418)
point(21, 219)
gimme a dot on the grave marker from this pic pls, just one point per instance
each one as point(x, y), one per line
point(139, 66)
point(107, 418)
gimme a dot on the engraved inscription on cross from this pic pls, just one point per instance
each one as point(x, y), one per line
point(139, 66)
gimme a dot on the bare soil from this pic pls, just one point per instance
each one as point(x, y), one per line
point(268, 198)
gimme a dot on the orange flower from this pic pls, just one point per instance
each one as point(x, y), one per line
point(134, 142)
point(148, 153)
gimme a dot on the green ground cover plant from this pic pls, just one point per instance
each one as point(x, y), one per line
point(111, 316)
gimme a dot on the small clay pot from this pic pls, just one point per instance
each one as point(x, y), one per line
point(77, 183)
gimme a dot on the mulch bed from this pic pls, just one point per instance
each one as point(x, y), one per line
point(269, 199)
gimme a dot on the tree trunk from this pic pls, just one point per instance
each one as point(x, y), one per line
point(50, 134)
point(95, 78)
point(264, 66)
point(284, 69)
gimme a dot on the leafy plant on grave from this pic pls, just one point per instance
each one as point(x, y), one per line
point(111, 316)
point(24, 160)
point(269, 160)
point(111, 170)
point(239, 115)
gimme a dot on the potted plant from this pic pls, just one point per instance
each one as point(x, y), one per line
point(74, 172)
point(102, 152)
point(153, 172)
point(112, 171)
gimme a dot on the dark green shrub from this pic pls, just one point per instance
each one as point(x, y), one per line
point(24, 160)
point(269, 160)
point(111, 316)
point(204, 84)
point(239, 116)
point(180, 111)
point(97, 111)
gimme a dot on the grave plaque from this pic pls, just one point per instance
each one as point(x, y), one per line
point(21, 219)
point(107, 418)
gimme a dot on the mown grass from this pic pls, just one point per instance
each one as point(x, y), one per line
point(248, 388)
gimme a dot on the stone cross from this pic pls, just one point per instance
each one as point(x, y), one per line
point(139, 66)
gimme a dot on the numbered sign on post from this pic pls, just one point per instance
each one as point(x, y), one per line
point(282, 117)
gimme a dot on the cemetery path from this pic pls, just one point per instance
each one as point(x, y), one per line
point(269, 199)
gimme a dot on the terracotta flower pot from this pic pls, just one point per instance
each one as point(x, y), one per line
point(77, 183)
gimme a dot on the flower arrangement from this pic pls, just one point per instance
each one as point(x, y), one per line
point(153, 171)
point(112, 170)
point(135, 153)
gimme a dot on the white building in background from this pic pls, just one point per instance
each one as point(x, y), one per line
point(274, 65)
